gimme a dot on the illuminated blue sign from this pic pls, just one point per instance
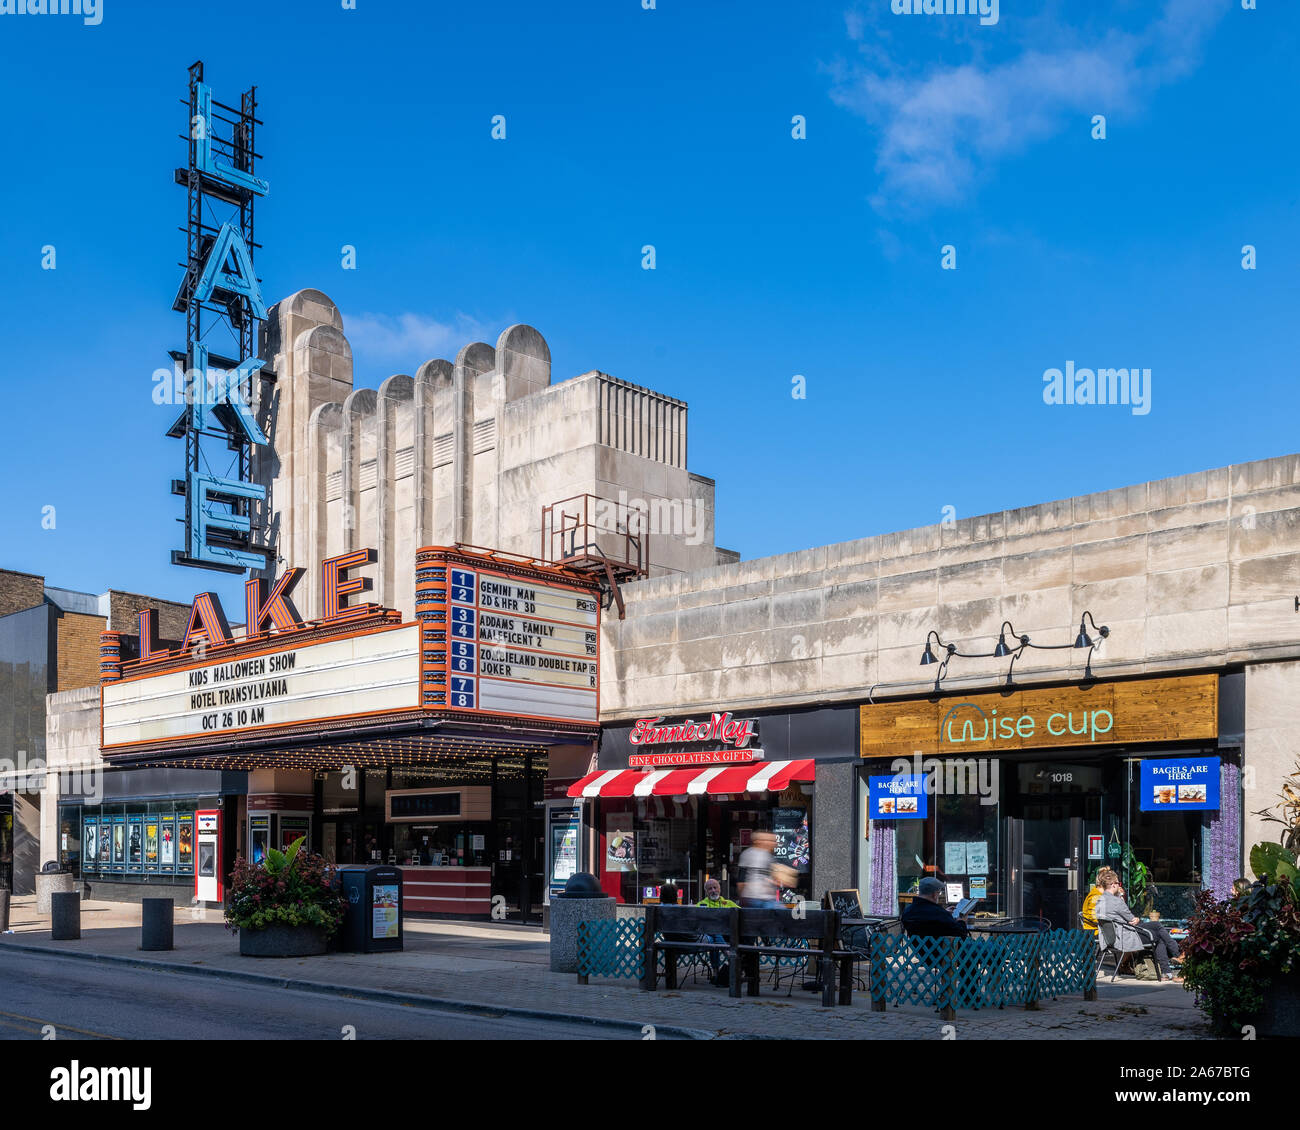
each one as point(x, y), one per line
point(1179, 784)
point(901, 797)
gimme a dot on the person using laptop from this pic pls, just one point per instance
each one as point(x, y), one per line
point(927, 917)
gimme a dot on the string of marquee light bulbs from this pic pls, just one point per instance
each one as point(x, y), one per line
point(1002, 650)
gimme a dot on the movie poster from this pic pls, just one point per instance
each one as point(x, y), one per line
point(185, 843)
point(151, 843)
point(119, 843)
point(135, 843)
point(90, 844)
point(167, 843)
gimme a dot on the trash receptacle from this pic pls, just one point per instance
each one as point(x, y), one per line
point(373, 920)
point(582, 900)
point(50, 879)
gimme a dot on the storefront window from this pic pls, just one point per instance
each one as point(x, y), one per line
point(652, 841)
point(1037, 850)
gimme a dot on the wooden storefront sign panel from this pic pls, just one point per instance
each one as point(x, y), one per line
point(1147, 710)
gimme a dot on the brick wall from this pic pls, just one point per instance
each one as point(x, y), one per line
point(20, 591)
point(124, 612)
point(77, 640)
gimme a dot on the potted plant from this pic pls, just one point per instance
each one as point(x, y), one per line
point(285, 907)
point(1243, 954)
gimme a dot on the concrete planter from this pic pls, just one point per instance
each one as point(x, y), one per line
point(282, 941)
point(1280, 1016)
point(47, 885)
point(566, 913)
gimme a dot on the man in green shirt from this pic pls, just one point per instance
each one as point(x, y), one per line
point(713, 898)
point(713, 895)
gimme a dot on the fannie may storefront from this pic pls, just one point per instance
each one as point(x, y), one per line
point(678, 799)
point(1017, 798)
point(426, 744)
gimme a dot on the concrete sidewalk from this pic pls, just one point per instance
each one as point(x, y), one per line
point(505, 968)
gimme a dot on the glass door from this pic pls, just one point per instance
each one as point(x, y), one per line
point(1045, 830)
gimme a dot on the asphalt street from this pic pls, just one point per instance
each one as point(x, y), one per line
point(72, 999)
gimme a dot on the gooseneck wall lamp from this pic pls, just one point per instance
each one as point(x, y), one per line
point(1019, 645)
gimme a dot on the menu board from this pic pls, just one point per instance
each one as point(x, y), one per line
point(847, 902)
point(519, 647)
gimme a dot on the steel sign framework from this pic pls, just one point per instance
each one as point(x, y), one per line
point(221, 298)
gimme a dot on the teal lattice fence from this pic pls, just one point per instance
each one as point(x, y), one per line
point(988, 972)
point(612, 947)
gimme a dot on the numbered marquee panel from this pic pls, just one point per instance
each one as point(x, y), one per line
point(507, 645)
point(362, 674)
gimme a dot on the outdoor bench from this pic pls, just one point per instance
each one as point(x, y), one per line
point(744, 928)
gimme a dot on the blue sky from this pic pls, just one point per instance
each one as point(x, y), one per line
point(775, 256)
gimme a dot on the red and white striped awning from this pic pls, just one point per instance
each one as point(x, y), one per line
point(718, 780)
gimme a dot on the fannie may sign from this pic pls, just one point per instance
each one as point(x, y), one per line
point(670, 744)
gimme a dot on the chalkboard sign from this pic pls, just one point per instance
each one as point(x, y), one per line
point(847, 902)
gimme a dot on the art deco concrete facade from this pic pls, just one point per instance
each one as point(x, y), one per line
point(1199, 572)
point(465, 451)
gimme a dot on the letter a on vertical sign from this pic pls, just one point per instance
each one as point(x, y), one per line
point(229, 268)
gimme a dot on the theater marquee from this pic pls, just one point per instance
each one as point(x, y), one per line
point(369, 673)
point(495, 637)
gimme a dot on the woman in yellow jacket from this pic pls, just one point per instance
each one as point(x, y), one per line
point(1105, 877)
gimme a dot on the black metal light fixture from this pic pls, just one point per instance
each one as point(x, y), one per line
point(929, 657)
point(1002, 651)
point(1085, 640)
point(1016, 650)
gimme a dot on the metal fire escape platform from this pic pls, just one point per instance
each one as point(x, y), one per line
point(609, 540)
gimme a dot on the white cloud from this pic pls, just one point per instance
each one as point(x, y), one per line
point(411, 338)
point(942, 127)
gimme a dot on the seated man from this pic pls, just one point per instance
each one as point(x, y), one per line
point(713, 898)
point(927, 917)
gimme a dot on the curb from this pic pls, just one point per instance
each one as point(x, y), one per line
point(383, 996)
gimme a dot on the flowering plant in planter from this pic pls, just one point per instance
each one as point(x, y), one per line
point(1248, 946)
point(292, 888)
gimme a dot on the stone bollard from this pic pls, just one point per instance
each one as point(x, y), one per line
point(65, 916)
point(156, 924)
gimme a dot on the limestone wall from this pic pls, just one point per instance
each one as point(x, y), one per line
point(466, 451)
point(1198, 571)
